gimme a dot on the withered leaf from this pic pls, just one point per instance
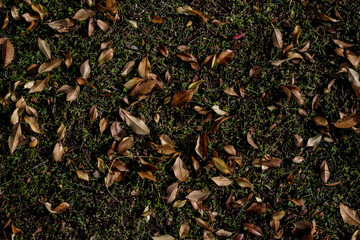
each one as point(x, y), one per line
point(171, 192)
point(222, 181)
point(243, 182)
point(101, 165)
point(128, 67)
point(156, 19)
point(348, 121)
point(198, 195)
point(14, 137)
point(164, 51)
point(40, 10)
point(71, 94)
point(298, 202)
point(7, 52)
point(353, 58)
point(104, 123)
point(58, 152)
point(230, 91)
point(187, 57)
point(44, 48)
point(326, 18)
point(85, 69)
point(298, 140)
point(314, 140)
point(218, 110)
point(256, 208)
point(50, 65)
point(147, 175)
point(251, 228)
point(349, 215)
point(82, 175)
point(298, 159)
point(83, 14)
point(62, 207)
point(125, 145)
point(303, 224)
point(91, 27)
point(143, 88)
point(324, 171)
point(30, 18)
point(137, 125)
point(6, 20)
point(144, 68)
point(321, 121)
point(230, 149)
point(61, 132)
point(164, 237)
point(68, 59)
point(342, 44)
point(106, 56)
point(250, 141)
point(40, 85)
point(217, 123)
point(103, 25)
point(181, 98)
point(33, 124)
point(220, 164)
point(296, 33)
point(187, 10)
point(204, 224)
point(180, 171)
point(116, 131)
point(93, 113)
point(63, 25)
point(225, 57)
point(184, 230)
point(277, 38)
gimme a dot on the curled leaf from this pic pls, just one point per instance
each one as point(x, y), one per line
point(106, 56)
point(62, 207)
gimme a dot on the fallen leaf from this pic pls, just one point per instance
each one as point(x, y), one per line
point(91, 27)
point(7, 52)
point(116, 131)
point(58, 152)
point(127, 68)
point(230, 149)
point(349, 215)
point(101, 165)
point(62, 25)
point(184, 230)
point(83, 14)
point(198, 195)
point(144, 68)
point(187, 10)
point(298, 202)
point(296, 33)
point(256, 208)
point(93, 113)
point(14, 138)
point(171, 192)
point(277, 38)
point(82, 175)
point(33, 124)
point(222, 181)
point(49, 65)
point(40, 85)
point(143, 88)
point(180, 171)
point(61, 132)
point(303, 224)
point(225, 57)
point(68, 59)
point(44, 48)
point(179, 203)
point(217, 123)
point(324, 170)
point(29, 17)
point(204, 224)
point(85, 69)
point(181, 98)
point(220, 164)
point(62, 207)
point(243, 182)
point(250, 141)
point(104, 123)
point(353, 58)
point(223, 233)
point(251, 228)
point(321, 121)
point(298, 159)
point(40, 10)
point(342, 44)
point(103, 25)
point(71, 94)
point(218, 110)
point(326, 18)
point(348, 121)
point(164, 51)
point(147, 175)
point(137, 125)
point(125, 144)
point(164, 237)
point(156, 19)
point(105, 56)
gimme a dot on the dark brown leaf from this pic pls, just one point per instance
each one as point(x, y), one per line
point(181, 98)
point(256, 208)
point(225, 57)
point(251, 228)
point(348, 121)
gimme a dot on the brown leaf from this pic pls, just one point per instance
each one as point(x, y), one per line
point(303, 224)
point(298, 202)
point(204, 224)
point(103, 25)
point(68, 59)
point(105, 45)
point(143, 88)
point(125, 144)
point(85, 69)
point(63, 25)
point(61, 132)
point(256, 208)
point(321, 121)
point(165, 149)
point(58, 152)
point(198, 195)
point(82, 175)
point(71, 94)
point(353, 58)
point(91, 27)
point(7, 52)
point(222, 181)
point(164, 51)
point(305, 46)
point(14, 137)
point(44, 48)
point(93, 113)
point(156, 19)
point(104, 123)
point(348, 121)
point(147, 175)
point(62, 207)
point(324, 170)
point(111, 5)
point(127, 68)
point(144, 68)
point(187, 57)
point(217, 123)
point(296, 33)
point(225, 57)
point(326, 18)
point(40, 10)
point(33, 124)
point(40, 85)
point(164, 237)
point(49, 65)
point(342, 44)
point(184, 230)
point(250, 141)
point(30, 18)
point(83, 14)
point(251, 228)
point(137, 125)
point(243, 182)
point(6, 20)
point(181, 98)
point(171, 192)
point(218, 110)
point(180, 171)
point(277, 38)
point(106, 56)
point(223, 233)
point(116, 131)
point(298, 159)
point(298, 140)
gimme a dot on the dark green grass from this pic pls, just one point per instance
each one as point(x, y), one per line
point(30, 177)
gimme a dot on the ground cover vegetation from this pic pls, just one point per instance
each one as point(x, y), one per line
point(179, 119)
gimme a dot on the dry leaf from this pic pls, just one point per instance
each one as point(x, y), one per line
point(127, 68)
point(296, 33)
point(187, 10)
point(61, 132)
point(14, 138)
point(7, 52)
point(104, 123)
point(321, 121)
point(184, 230)
point(33, 124)
point(277, 38)
point(256, 208)
point(30, 18)
point(324, 170)
point(230, 149)
point(243, 182)
point(62, 207)
point(68, 59)
point(253, 229)
point(93, 113)
point(85, 69)
point(218, 110)
point(40, 85)
point(348, 121)
point(63, 25)
point(103, 25)
point(58, 152)
point(71, 94)
point(353, 58)
point(171, 192)
point(164, 237)
point(298, 159)
point(180, 171)
point(91, 27)
point(156, 19)
point(342, 44)
point(147, 175)
point(225, 57)
point(217, 123)
point(15, 13)
point(164, 51)
point(220, 164)
point(143, 88)
point(106, 56)
point(137, 125)
point(44, 48)
point(326, 18)
point(198, 195)
point(83, 14)
point(204, 224)
point(116, 131)
point(144, 68)
point(40, 10)
point(125, 145)
point(49, 65)
point(349, 215)
point(298, 140)
point(82, 175)
point(181, 98)
point(222, 181)
point(250, 141)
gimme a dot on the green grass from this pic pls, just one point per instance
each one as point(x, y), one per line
point(30, 177)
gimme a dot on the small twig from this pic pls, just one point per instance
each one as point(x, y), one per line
point(36, 166)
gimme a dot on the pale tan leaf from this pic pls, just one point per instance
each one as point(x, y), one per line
point(15, 13)
point(137, 125)
point(128, 67)
point(230, 149)
point(62, 207)
point(184, 230)
point(91, 27)
point(324, 171)
point(353, 58)
point(356, 235)
point(179, 203)
point(223, 233)
point(106, 56)
point(33, 124)
point(58, 152)
point(204, 224)
point(305, 47)
point(279, 62)
point(105, 45)
point(44, 48)
point(82, 175)
point(220, 164)
point(7, 52)
point(49, 65)
point(93, 113)
point(298, 159)
point(298, 140)
point(40, 10)
point(14, 138)
point(314, 141)
point(250, 141)
point(222, 181)
point(342, 44)
point(321, 121)
point(104, 123)
point(171, 192)
point(198, 195)
point(30, 18)
point(101, 165)
point(71, 94)
point(353, 77)
point(85, 69)
point(326, 18)
point(277, 38)
point(180, 171)
point(144, 68)
point(15, 117)
point(164, 237)
point(103, 25)
point(83, 14)
point(218, 110)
